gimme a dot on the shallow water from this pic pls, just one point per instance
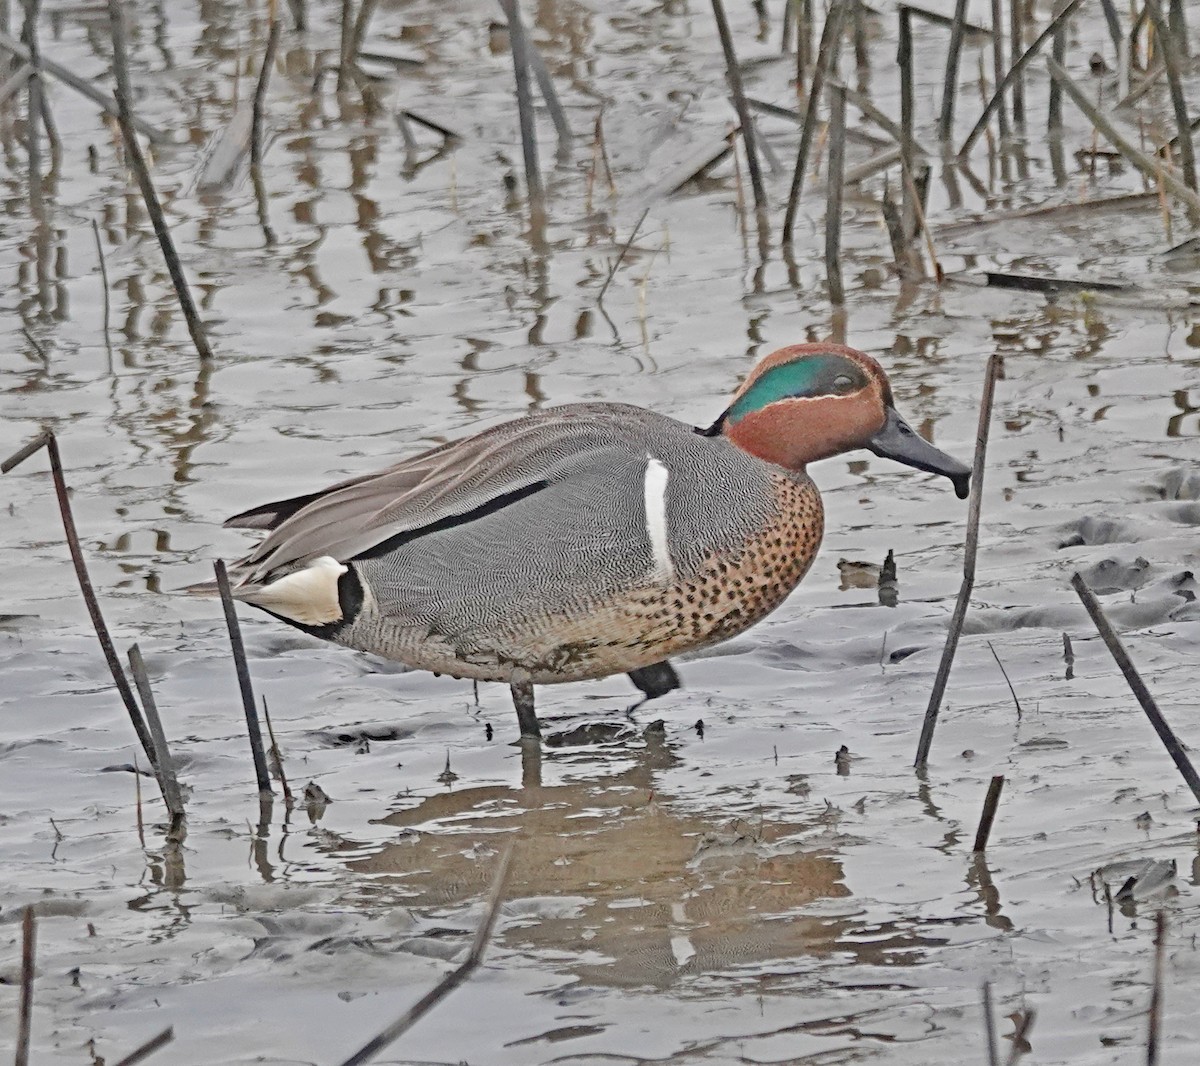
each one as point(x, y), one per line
point(730, 893)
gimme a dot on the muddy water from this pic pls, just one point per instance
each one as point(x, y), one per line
point(706, 882)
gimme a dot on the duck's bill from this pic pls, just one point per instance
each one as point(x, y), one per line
point(898, 440)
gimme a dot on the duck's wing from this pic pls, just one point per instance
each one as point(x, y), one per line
point(451, 484)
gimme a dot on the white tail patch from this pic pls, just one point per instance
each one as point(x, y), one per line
point(657, 476)
point(308, 596)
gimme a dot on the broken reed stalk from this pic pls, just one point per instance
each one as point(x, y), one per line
point(1178, 25)
point(990, 803)
point(1139, 159)
point(164, 768)
point(345, 46)
point(102, 100)
point(104, 283)
point(904, 57)
point(361, 25)
point(518, 44)
point(25, 1010)
point(970, 551)
point(734, 75)
point(989, 1026)
point(48, 441)
point(277, 756)
point(827, 53)
point(1013, 76)
point(1114, 23)
point(33, 132)
point(950, 82)
point(452, 980)
point(243, 676)
point(1169, 47)
point(1016, 42)
point(835, 175)
point(260, 94)
point(148, 1048)
point(1058, 49)
point(137, 162)
point(1136, 685)
point(621, 255)
point(998, 63)
point(137, 800)
point(15, 82)
point(1154, 1035)
point(562, 129)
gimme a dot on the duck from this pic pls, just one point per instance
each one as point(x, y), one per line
point(583, 540)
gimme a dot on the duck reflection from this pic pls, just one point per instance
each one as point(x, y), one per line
point(634, 885)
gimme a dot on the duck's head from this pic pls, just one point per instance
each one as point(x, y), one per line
point(810, 401)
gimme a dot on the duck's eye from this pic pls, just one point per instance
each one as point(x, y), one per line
point(843, 383)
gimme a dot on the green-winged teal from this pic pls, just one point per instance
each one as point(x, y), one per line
point(584, 540)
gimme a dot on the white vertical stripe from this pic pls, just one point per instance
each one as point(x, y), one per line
point(657, 476)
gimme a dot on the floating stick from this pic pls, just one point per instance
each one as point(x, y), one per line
point(831, 39)
point(448, 983)
point(137, 162)
point(1013, 75)
point(243, 676)
point(734, 75)
point(48, 441)
point(148, 1048)
point(164, 768)
point(834, 176)
point(970, 551)
point(990, 803)
point(1139, 159)
point(25, 1010)
point(950, 82)
point(1138, 687)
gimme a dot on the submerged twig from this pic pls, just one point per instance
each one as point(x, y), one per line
point(48, 441)
point(990, 803)
point(448, 983)
point(243, 676)
point(1111, 641)
point(970, 550)
point(137, 162)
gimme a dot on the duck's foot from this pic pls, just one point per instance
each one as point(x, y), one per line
point(656, 680)
point(522, 694)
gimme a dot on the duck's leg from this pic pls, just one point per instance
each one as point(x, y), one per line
point(654, 681)
point(522, 694)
